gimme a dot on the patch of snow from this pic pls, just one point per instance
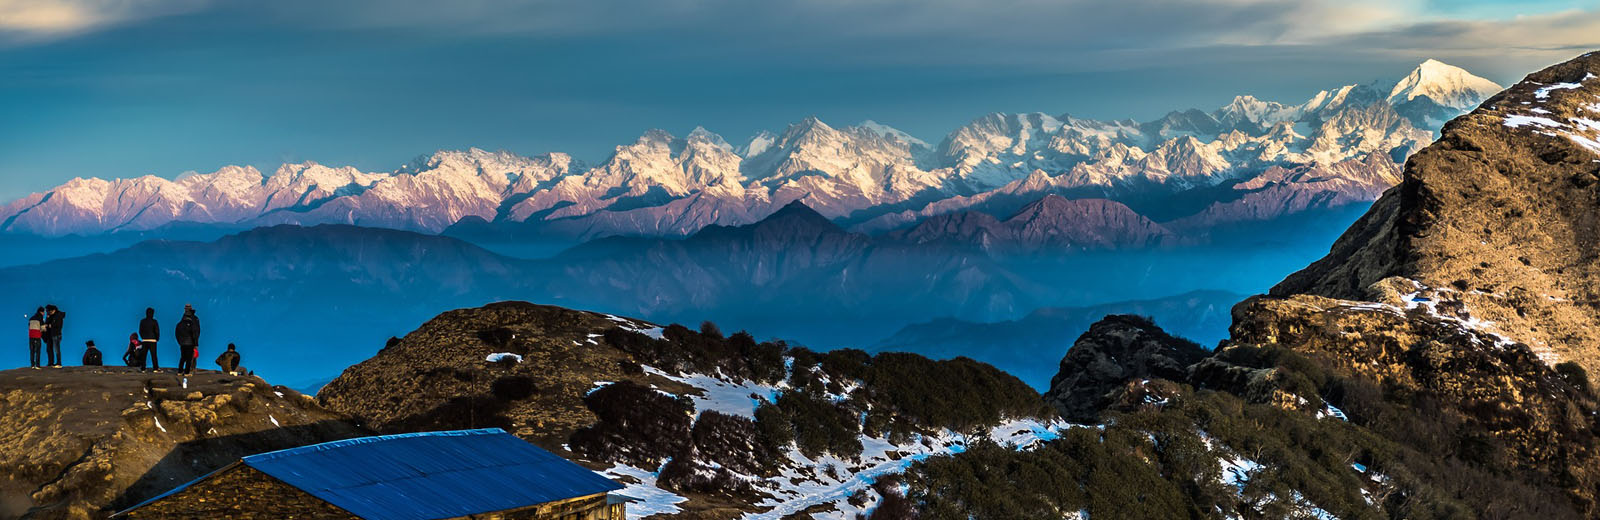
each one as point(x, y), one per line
point(652, 499)
point(274, 420)
point(1328, 410)
point(1236, 470)
point(1026, 433)
point(1544, 92)
point(503, 356)
point(158, 425)
point(635, 326)
point(1518, 120)
point(729, 397)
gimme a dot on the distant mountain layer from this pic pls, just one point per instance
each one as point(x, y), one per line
point(304, 301)
point(1186, 164)
point(1016, 346)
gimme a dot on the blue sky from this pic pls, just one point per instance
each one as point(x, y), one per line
point(120, 88)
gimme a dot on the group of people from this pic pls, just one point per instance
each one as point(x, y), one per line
point(45, 327)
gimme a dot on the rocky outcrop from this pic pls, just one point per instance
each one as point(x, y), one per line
point(1415, 382)
point(1115, 351)
point(438, 376)
point(82, 442)
point(1501, 214)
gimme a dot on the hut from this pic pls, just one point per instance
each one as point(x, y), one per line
point(464, 474)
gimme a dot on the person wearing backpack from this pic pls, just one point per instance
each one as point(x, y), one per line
point(229, 360)
point(91, 355)
point(188, 336)
point(35, 337)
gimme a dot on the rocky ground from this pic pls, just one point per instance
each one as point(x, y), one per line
point(82, 442)
point(439, 376)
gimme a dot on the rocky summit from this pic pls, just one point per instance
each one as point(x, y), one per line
point(83, 442)
point(1498, 221)
point(1114, 351)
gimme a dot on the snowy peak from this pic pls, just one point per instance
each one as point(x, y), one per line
point(891, 133)
point(1445, 84)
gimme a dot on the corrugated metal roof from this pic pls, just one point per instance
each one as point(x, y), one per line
point(419, 476)
point(424, 476)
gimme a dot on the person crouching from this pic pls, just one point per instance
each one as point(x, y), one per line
point(229, 360)
point(91, 355)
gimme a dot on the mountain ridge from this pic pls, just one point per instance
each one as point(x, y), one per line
point(663, 185)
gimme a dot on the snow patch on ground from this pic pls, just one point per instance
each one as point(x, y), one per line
point(652, 500)
point(1236, 470)
point(1328, 410)
point(1025, 434)
point(635, 326)
point(730, 397)
point(503, 356)
point(1544, 92)
point(1517, 121)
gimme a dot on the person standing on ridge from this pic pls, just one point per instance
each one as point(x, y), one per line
point(53, 321)
point(91, 355)
point(188, 336)
point(35, 337)
point(149, 334)
point(229, 360)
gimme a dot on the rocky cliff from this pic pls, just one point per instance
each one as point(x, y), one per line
point(1500, 218)
point(83, 442)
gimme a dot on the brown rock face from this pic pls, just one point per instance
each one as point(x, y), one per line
point(82, 442)
point(1501, 215)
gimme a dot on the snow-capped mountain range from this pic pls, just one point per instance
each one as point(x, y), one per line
point(869, 175)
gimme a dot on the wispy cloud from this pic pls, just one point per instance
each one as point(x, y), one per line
point(27, 21)
point(991, 31)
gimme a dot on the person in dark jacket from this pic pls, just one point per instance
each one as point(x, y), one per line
point(149, 335)
point(53, 321)
point(188, 336)
point(229, 360)
point(134, 357)
point(35, 337)
point(91, 355)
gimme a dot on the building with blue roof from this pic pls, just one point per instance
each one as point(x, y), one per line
point(476, 474)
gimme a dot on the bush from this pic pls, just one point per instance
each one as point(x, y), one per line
point(638, 426)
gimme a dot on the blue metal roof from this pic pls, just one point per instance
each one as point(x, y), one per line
point(424, 476)
point(420, 476)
